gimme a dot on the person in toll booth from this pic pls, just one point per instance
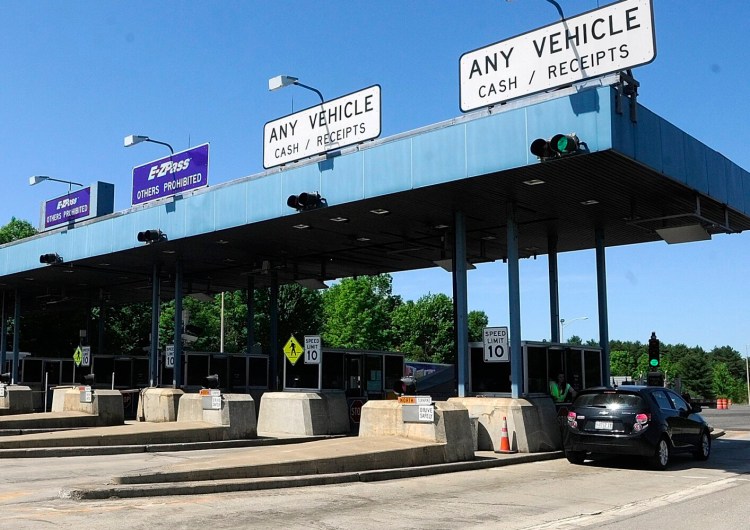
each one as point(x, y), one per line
point(560, 390)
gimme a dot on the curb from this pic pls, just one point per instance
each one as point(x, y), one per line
point(236, 485)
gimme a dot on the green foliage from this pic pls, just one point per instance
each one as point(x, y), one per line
point(16, 229)
point(358, 312)
point(694, 368)
point(477, 320)
point(621, 362)
point(424, 329)
point(574, 339)
point(723, 383)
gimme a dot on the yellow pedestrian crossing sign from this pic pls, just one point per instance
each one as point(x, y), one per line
point(78, 356)
point(293, 350)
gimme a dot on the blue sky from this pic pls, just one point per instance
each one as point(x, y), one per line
point(76, 77)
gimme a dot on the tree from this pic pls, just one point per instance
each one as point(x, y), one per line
point(477, 321)
point(16, 229)
point(723, 384)
point(358, 311)
point(731, 358)
point(695, 371)
point(424, 329)
point(622, 363)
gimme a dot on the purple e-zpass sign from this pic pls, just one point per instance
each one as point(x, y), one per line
point(74, 205)
point(183, 171)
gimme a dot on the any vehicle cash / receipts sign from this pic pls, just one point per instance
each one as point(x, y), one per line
point(610, 39)
point(337, 123)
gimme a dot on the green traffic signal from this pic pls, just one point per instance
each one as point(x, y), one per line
point(654, 362)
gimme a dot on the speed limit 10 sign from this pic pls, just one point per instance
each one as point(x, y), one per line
point(496, 348)
point(312, 349)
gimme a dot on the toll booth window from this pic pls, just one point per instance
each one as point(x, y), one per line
point(220, 365)
point(197, 369)
point(332, 365)
point(102, 368)
point(374, 375)
point(237, 373)
point(123, 373)
point(301, 375)
point(574, 370)
point(68, 372)
point(593, 373)
point(488, 377)
point(394, 371)
point(31, 370)
point(140, 372)
point(258, 372)
point(537, 367)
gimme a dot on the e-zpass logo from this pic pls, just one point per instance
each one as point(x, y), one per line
point(67, 202)
point(168, 167)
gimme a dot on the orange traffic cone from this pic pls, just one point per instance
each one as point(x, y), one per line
point(504, 440)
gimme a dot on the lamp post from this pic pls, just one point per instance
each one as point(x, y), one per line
point(36, 179)
point(134, 139)
point(564, 323)
point(281, 81)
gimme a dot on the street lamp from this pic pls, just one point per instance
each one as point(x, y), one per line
point(281, 81)
point(564, 323)
point(134, 139)
point(36, 179)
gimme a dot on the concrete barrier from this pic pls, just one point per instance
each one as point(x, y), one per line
point(237, 413)
point(17, 400)
point(304, 413)
point(451, 427)
point(106, 405)
point(58, 397)
point(532, 422)
point(159, 404)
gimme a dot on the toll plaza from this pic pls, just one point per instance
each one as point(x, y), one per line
point(578, 164)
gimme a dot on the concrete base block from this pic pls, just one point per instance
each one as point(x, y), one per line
point(106, 405)
point(304, 413)
point(17, 400)
point(58, 397)
point(237, 412)
point(159, 404)
point(532, 423)
point(451, 427)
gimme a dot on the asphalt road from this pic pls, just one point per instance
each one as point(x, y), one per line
point(613, 493)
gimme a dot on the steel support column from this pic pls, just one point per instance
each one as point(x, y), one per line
point(16, 336)
point(554, 288)
point(153, 357)
point(178, 281)
point(601, 284)
point(273, 347)
point(3, 338)
point(250, 323)
point(460, 303)
point(514, 305)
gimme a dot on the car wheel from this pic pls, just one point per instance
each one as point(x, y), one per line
point(660, 459)
point(575, 457)
point(704, 449)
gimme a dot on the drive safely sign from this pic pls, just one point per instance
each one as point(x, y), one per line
point(337, 123)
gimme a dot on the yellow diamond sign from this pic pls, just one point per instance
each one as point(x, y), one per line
point(293, 350)
point(78, 356)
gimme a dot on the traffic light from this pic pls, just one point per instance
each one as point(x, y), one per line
point(50, 259)
point(151, 236)
point(5, 378)
point(653, 353)
point(306, 201)
point(558, 146)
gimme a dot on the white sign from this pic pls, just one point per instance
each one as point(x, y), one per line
point(610, 39)
point(85, 394)
point(426, 413)
point(496, 348)
point(169, 356)
point(338, 123)
point(85, 355)
point(312, 349)
point(423, 400)
point(2, 390)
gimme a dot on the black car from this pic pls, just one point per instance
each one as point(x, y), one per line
point(652, 422)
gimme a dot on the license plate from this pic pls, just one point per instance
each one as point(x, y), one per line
point(603, 425)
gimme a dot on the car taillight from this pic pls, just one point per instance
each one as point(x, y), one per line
point(572, 420)
point(641, 422)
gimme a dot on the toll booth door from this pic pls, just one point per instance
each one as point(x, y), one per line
point(353, 373)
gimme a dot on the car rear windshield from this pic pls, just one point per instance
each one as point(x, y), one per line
point(609, 400)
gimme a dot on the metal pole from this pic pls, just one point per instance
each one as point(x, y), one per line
point(3, 338)
point(250, 313)
point(514, 305)
point(554, 290)
point(747, 373)
point(154, 353)
point(601, 282)
point(221, 325)
point(16, 336)
point(273, 353)
point(460, 303)
point(46, 386)
point(178, 325)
